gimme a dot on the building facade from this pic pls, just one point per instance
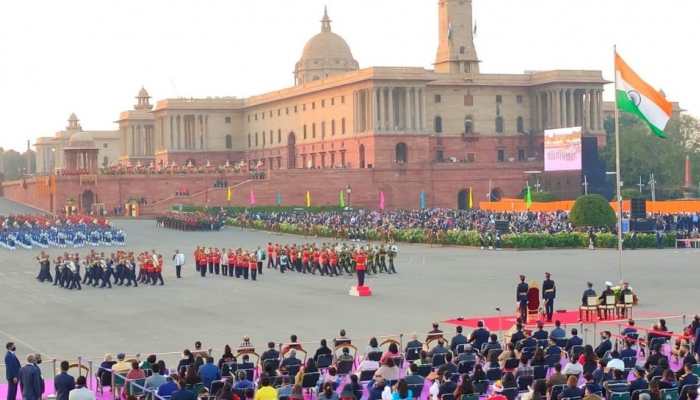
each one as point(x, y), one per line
point(399, 120)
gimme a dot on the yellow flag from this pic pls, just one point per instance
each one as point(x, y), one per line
point(229, 194)
point(308, 199)
point(471, 199)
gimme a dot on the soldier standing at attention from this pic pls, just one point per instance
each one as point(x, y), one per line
point(521, 297)
point(549, 293)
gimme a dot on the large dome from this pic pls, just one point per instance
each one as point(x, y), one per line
point(324, 55)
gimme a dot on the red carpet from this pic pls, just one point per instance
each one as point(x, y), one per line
point(568, 317)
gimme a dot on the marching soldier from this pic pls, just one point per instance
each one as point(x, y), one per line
point(393, 250)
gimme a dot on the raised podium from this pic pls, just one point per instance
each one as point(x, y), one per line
point(360, 291)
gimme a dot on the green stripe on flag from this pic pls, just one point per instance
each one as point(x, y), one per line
point(625, 104)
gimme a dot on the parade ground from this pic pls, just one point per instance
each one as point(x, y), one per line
point(433, 284)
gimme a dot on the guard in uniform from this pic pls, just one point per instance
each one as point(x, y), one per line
point(521, 297)
point(549, 293)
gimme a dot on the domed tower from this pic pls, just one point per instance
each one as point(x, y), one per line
point(326, 54)
point(73, 122)
point(143, 100)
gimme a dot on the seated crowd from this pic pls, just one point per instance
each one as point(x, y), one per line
point(536, 365)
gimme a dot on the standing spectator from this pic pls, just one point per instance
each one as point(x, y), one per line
point(63, 382)
point(30, 380)
point(179, 260)
point(81, 392)
point(12, 367)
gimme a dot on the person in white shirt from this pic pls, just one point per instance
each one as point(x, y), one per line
point(179, 260)
point(573, 368)
point(81, 392)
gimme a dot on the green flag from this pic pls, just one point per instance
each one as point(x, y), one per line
point(528, 198)
point(341, 199)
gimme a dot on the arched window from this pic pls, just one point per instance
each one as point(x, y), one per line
point(438, 124)
point(401, 153)
point(468, 125)
point(499, 124)
point(229, 142)
point(521, 125)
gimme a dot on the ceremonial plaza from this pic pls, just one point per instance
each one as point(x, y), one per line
point(409, 133)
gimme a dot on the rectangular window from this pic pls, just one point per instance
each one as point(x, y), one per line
point(323, 103)
point(332, 101)
point(303, 107)
point(332, 127)
point(313, 105)
point(471, 157)
point(519, 99)
point(521, 155)
point(296, 109)
point(501, 155)
point(227, 120)
point(468, 100)
point(286, 110)
point(279, 112)
point(342, 126)
point(438, 98)
point(304, 132)
point(342, 99)
point(272, 137)
point(256, 139)
point(313, 131)
point(256, 116)
point(323, 129)
point(499, 99)
point(270, 113)
point(279, 136)
point(262, 115)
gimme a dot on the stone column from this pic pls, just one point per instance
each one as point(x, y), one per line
point(407, 109)
point(355, 108)
point(416, 108)
point(380, 110)
point(391, 110)
point(423, 111)
point(537, 118)
point(569, 108)
point(557, 108)
point(600, 109)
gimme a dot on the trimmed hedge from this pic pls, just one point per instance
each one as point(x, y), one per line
point(457, 237)
point(592, 210)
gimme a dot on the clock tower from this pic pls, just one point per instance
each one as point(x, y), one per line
point(456, 53)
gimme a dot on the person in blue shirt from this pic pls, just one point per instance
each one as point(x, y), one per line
point(605, 344)
point(628, 351)
point(63, 382)
point(12, 367)
point(209, 372)
point(639, 382)
point(182, 393)
point(242, 383)
point(591, 385)
point(558, 332)
point(574, 340)
point(479, 336)
point(169, 387)
point(540, 333)
point(688, 377)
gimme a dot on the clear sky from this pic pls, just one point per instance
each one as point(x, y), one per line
point(92, 56)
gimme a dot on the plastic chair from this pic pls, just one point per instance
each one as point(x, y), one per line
point(510, 393)
point(324, 361)
point(374, 356)
point(669, 394)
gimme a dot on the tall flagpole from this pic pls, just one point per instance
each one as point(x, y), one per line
point(617, 171)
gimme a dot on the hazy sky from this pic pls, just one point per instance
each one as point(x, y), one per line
point(92, 56)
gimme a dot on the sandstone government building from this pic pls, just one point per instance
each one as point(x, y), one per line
point(419, 136)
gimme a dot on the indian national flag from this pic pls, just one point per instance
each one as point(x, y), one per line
point(638, 97)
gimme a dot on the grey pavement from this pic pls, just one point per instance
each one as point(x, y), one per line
point(433, 284)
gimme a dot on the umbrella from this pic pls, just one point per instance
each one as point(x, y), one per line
point(617, 364)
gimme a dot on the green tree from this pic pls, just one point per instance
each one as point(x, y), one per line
point(642, 153)
point(592, 210)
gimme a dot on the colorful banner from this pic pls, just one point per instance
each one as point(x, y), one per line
point(562, 149)
point(341, 199)
point(229, 193)
point(471, 199)
point(381, 200)
point(308, 199)
point(421, 201)
point(278, 199)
